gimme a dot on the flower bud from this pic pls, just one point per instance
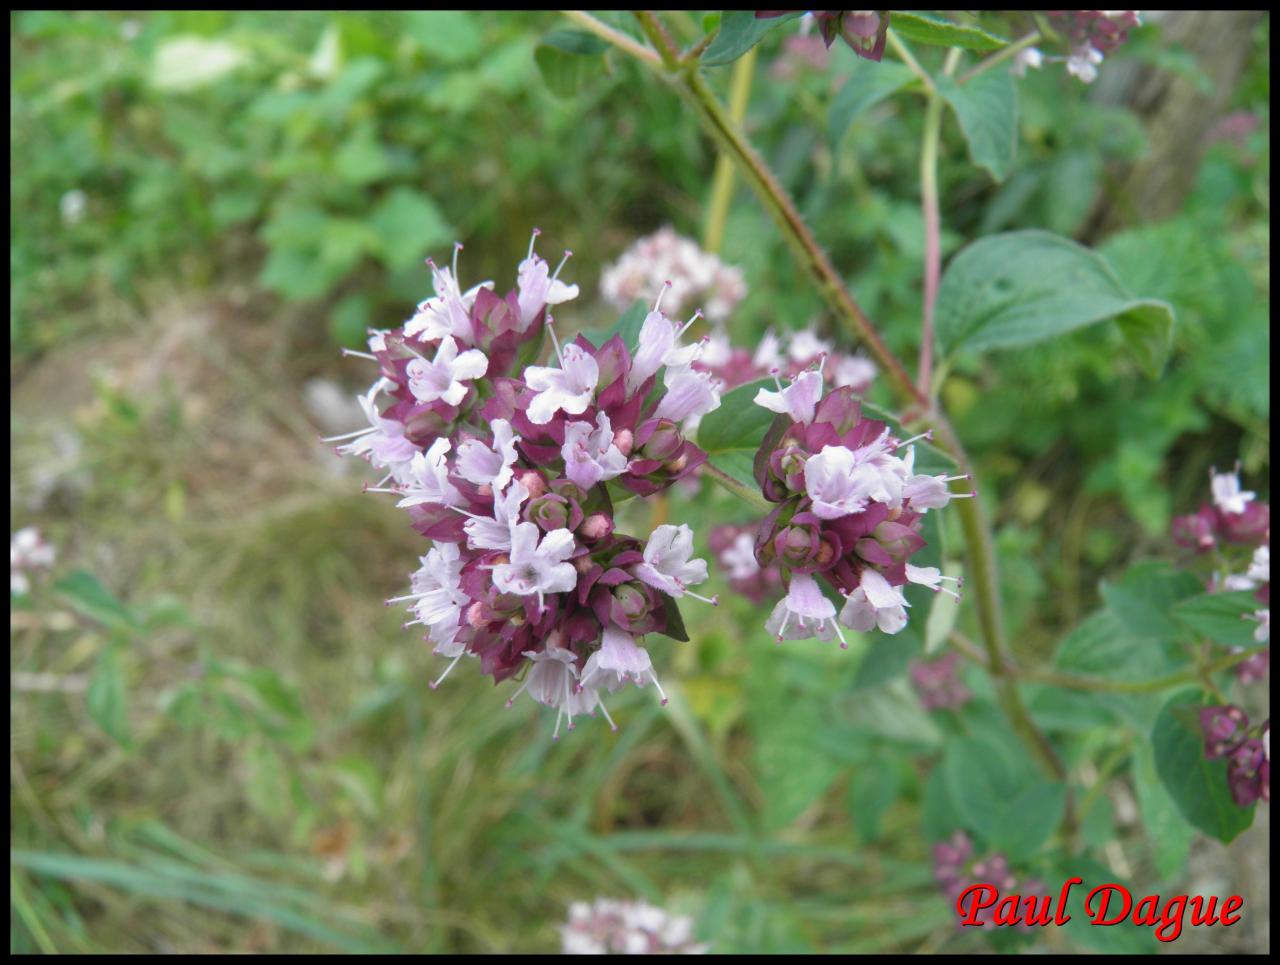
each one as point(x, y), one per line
point(548, 511)
point(532, 481)
point(624, 439)
point(596, 527)
point(662, 442)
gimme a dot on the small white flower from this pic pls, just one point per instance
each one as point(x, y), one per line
point(553, 680)
point(1083, 63)
point(483, 466)
point(927, 492)
point(590, 455)
point(383, 443)
point(494, 533)
point(841, 481)
point(537, 567)
point(568, 388)
point(875, 603)
point(799, 400)
point(538, 287)
point(740, 558)
point(619, 659)
point(449, 312)
point(931, 577)
point(429, 479)
point(668, 565)
point(442, 378)
point(1263, 633)
point(690, 394)
point(768, 354)
point(804, 346)
point(72, 206)
point(804, 612)
point(658, 344)
point(1030, 57)
point(1227, 494)
point(853, 371)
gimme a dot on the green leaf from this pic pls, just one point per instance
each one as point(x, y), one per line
point(740, 30)
point(627, 327)
point(408, 225)
point(922, 29)
point(869, 84)
point(1143, 597)
point(449, 35)
point(875, 787)
point(793, 772)
point(1169, 835)
point(987, 109)
point(1220, 616)
point(1024, 287)
point(106, 700)
point(1022, 824)
point(731, 434)
point(567, 59)
point(89, 597)
point(979, 783)
point(1198, 787)
point(361, 159)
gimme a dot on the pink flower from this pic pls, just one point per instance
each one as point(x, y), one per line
point(442, 378)
point(590, 455)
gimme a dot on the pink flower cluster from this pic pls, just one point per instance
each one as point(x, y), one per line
point(849, 509)
point(734, 547)
point(938, 685)
point(28, 553)
point(1225, 529)
point(609, 926)
point(787, 357)
point(510, 469)
point(1089, 34)
point(694, 275)
point(1247, 750)
point(954, 871)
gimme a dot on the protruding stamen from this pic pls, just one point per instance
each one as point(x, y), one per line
point(605, 710)
point(685, 327)
point(654, 677)
point(567, 255)
point(532, 239)
point(666, 285)
point(927, 435)
point(359, 355)
point(844, 644)
point(551, 330)
point(457, 247)
point(452, 664)
point(347, 435)
point(713, 600)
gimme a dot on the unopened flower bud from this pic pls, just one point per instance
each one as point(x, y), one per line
point(663, 442)
point(624, 439)
point(533, 482)
point(596, 527)
point(549, 511)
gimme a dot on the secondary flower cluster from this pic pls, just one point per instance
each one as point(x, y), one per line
point(1089, 35)
point(28, 552)
point(1234, 531)
point(734, 547)
point(849, 509)
point(938, 685)
point(865, 31)
point(954, 871)
point(786, 357)
point(508, 468)
point(609, 926)
point(694, 276)
point(1227, 734)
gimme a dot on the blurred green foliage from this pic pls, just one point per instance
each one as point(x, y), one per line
point(247, 736)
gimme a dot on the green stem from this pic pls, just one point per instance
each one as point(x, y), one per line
point(932, 233)
point(749, 494)
point(1000, 57)
point(615, 37)
point(722, 181)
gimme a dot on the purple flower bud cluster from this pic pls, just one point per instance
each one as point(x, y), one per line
point(1089, 35)
point(849, 511)
point(1247, 750)
point(938, 685)
point(801, 350)
point(508, 467)
point(1234, 522)
point(865, 31)
point(954, 870)
point(695, 276)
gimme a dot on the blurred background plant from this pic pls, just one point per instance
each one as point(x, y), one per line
point(223, 741)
